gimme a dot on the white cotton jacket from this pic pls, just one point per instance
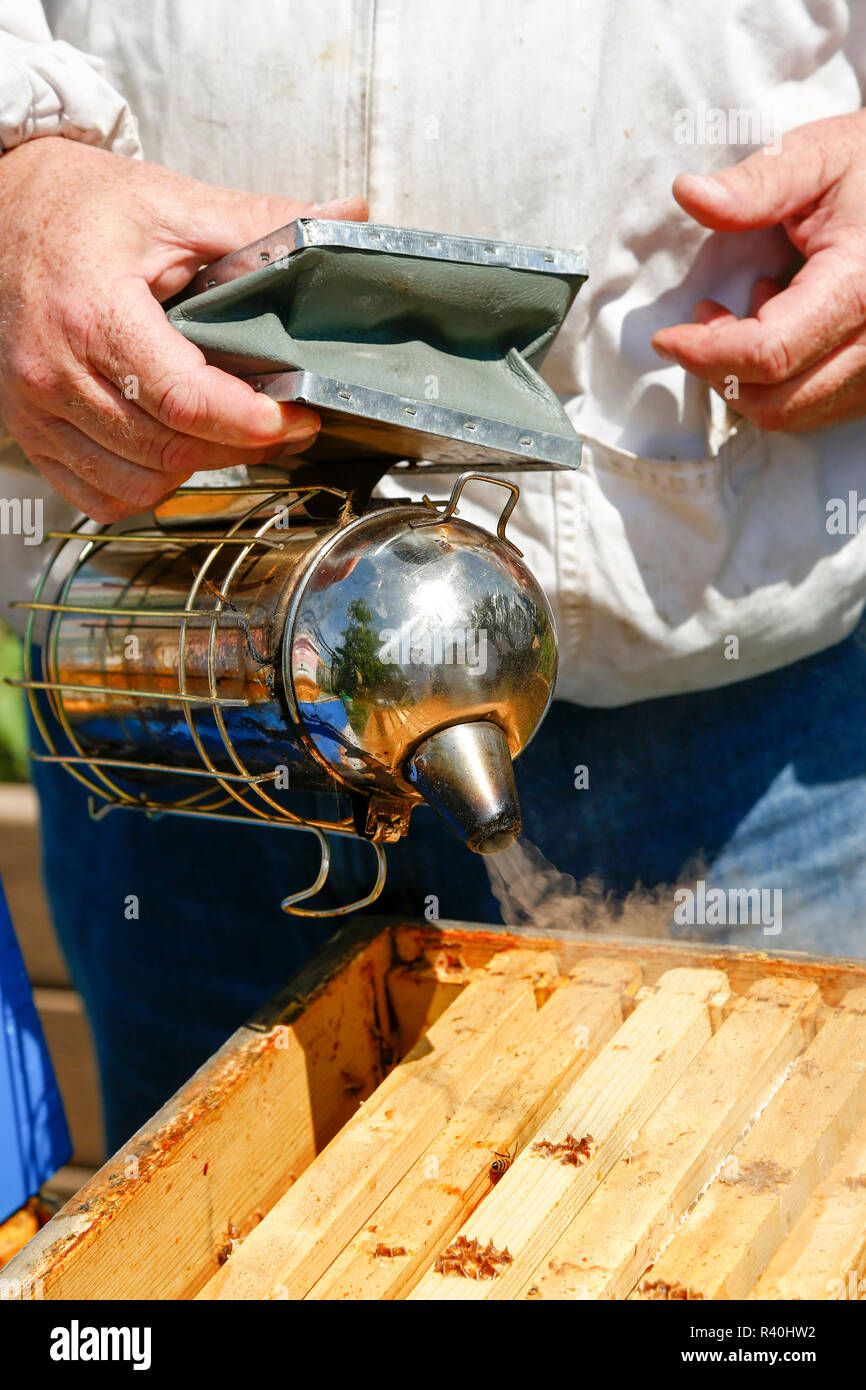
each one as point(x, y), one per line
point(48, 87)
point(554, 121)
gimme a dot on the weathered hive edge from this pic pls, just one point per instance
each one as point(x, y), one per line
point(85, 1217)
point(474, 944)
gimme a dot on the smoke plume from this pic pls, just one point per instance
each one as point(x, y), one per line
point(532, 893)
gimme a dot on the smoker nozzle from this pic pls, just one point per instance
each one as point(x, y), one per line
point(465, 773)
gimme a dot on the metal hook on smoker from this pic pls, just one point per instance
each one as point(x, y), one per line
point(451, 504)
point(288, 903)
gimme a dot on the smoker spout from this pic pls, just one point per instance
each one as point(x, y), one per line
point(465, 774)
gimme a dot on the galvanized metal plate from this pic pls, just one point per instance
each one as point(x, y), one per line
point(366, 423)
point(397, 241)
point(363, 423)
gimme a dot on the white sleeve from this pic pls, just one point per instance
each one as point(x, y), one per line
point(47, 87)
point(855, 42)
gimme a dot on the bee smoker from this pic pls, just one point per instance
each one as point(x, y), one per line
point(272, 633)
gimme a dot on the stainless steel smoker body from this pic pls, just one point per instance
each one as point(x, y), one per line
point(268, 634)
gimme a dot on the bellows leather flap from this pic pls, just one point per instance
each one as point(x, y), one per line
point(411, 345)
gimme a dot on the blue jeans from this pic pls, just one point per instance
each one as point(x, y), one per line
point(763, 783)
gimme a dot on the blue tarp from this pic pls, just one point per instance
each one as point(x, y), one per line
point(34, 1137)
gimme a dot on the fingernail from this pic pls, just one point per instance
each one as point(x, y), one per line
point(297, 422)
point(333, 208)
point(664, 353)
point(288, 421)
point(708, 186)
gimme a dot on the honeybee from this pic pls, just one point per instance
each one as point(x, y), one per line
point(501, 1163)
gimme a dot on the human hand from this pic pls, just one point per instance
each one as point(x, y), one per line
point(799, 359)
point(111, 404)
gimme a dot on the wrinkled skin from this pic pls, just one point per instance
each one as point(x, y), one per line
point(800, 356)
point(111, 404)
point(90, 244)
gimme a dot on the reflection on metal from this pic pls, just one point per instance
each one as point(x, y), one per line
point(385, 660)
point(465, 774)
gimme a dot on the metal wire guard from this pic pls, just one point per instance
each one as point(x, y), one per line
point(242, 786)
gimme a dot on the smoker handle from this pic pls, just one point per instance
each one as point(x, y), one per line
point(288, 903)
point(451, 505)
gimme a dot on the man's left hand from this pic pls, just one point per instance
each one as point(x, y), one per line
point(799, 359)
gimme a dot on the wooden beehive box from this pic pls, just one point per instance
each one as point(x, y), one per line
point(571, 1118)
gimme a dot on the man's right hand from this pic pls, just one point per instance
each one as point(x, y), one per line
point(112, 405)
